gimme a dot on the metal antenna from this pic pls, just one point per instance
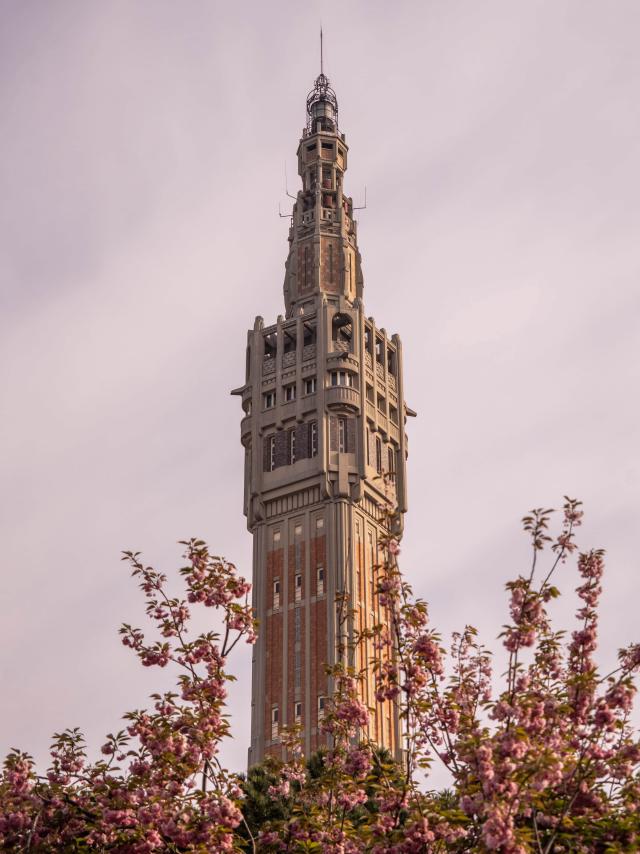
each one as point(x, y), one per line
point(286, 183)
point(321, 57)
point(362, 207)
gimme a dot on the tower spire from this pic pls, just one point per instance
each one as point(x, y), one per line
point(321, 57)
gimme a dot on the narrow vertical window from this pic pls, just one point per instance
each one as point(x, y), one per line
point(297, 712)
point(378, 454)
point(274, 723)
point(372, 573)
point(276, 593)
point(391, 455)
point(368, 447)
point(297, 623)
point(331, 263)
point(313, 439)
point(321, 704)
point(272, 452)
point(320, 581)
point(342, 435)
point(298, 587)
point(292, 446)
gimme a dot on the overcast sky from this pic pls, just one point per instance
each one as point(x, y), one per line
point(141, 168)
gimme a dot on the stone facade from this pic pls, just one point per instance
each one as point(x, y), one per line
point(325, 458)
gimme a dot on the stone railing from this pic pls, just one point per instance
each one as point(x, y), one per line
point(340, 395)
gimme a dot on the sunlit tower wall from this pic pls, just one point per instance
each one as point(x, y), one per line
point(325, 458)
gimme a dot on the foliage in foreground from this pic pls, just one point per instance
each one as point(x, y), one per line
point(547, 763)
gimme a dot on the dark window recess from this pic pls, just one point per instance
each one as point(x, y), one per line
point(302, 441)
point(266, 455)
point(289, 336)
point(342, 329)
point(309, 334)
point(281, 449)
point(313, 438)
point(342, 434)
point(391, 361)
point(270, 344)
point(378, 454)
point(351, 435)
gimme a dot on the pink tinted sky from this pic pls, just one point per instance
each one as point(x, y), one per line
point(142, 165)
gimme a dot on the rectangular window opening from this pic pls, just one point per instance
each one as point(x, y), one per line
point(341, 378)
point(313, 439)
point(342, 435)
point(321, 707)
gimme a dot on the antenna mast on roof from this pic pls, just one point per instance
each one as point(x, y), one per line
point(321, 58)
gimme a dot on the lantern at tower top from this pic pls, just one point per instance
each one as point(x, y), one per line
point(322, 106)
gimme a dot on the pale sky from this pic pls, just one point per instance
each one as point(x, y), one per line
point(141, 168)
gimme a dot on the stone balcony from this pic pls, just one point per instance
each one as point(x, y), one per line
point(343, 397)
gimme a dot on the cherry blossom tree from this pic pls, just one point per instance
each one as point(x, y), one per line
point(543, 758)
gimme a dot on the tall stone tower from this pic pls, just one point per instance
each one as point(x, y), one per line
point(325, 455)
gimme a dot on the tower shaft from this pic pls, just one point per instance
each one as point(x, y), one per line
point(325, 460)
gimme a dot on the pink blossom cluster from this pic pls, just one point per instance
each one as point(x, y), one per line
point(547, 760)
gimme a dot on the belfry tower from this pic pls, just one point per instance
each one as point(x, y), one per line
point(325, 451)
